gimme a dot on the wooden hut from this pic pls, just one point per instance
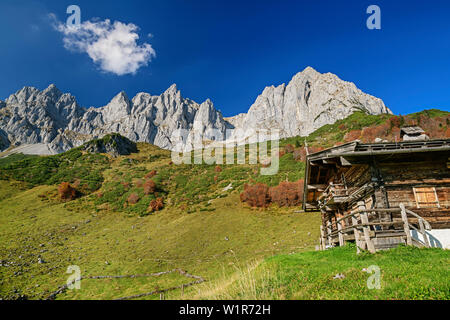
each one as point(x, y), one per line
point(381, 194)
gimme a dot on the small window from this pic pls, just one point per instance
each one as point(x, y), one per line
point(426, 197)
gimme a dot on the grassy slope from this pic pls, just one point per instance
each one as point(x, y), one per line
point(190, 233)
point(170, 239)
point(205, 235)
point(406, 273)
point(330, 134)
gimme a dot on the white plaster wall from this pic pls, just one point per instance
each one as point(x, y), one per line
point(439, 238)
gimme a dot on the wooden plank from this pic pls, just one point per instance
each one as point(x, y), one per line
point(341, 236)
point(356, 233)
point(365, 219)
point(424, 234)
point(322, 238)
point(319, 187)
point(406, 225)
point(329, 230)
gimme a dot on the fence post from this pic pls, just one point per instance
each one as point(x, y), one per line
point(322, 238)
point(424, 234)
point(329, 230)
point(366, 229)
point(341, 236)
point(356, 233)
point(406, 225)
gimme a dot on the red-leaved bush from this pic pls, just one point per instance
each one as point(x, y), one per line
point(289, 148)
point(66, 191)
point(149, 187)
point(352, 135)
point(151, 174)
point(126, 185)
point(156, 205)
point(286, 194)
point(256, 195)
point(139, 183)
point(299, 154)
point(133, 198)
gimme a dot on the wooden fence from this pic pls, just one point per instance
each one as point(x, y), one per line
point(366, 226)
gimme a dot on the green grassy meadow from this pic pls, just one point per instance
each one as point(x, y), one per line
point(204, 229)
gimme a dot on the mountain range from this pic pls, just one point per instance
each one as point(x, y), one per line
point(49, 121)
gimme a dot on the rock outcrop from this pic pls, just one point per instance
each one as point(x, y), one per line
point(113, 144)
point(309, 101)
point(56, 122)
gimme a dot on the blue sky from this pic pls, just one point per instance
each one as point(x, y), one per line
point(229, 51)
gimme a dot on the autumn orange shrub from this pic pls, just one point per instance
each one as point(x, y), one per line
point(369, 134)
point(352, 135)
point(149, 187)
point(126, 185)
point(287, 194)
point(156, 205)
point(139, 183)
point(299, 154)
point(133, 198)
point(151, 174)
point(256, 195)
point(289, 148)
point(66, 191)
point(395, 121)
point(76, 183)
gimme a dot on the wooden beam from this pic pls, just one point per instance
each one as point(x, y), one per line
point(366, 230)
point(424, 234)
point(341, 236)
point(322, 238)
point(318, 175)
point(356, 233)
point(345, 162)
point(317, 187)
point(406, 225)
point(329, 230)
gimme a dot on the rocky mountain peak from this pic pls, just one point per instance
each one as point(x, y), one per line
point(24, 95)
point(121, 98)
point(52, 92)
point(52, 89)
point(56, 121)
point(172, 90)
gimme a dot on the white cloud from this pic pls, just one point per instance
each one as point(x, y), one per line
point(112, 46)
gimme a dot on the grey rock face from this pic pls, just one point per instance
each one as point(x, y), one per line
point(55, 119)
point(308, 102)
